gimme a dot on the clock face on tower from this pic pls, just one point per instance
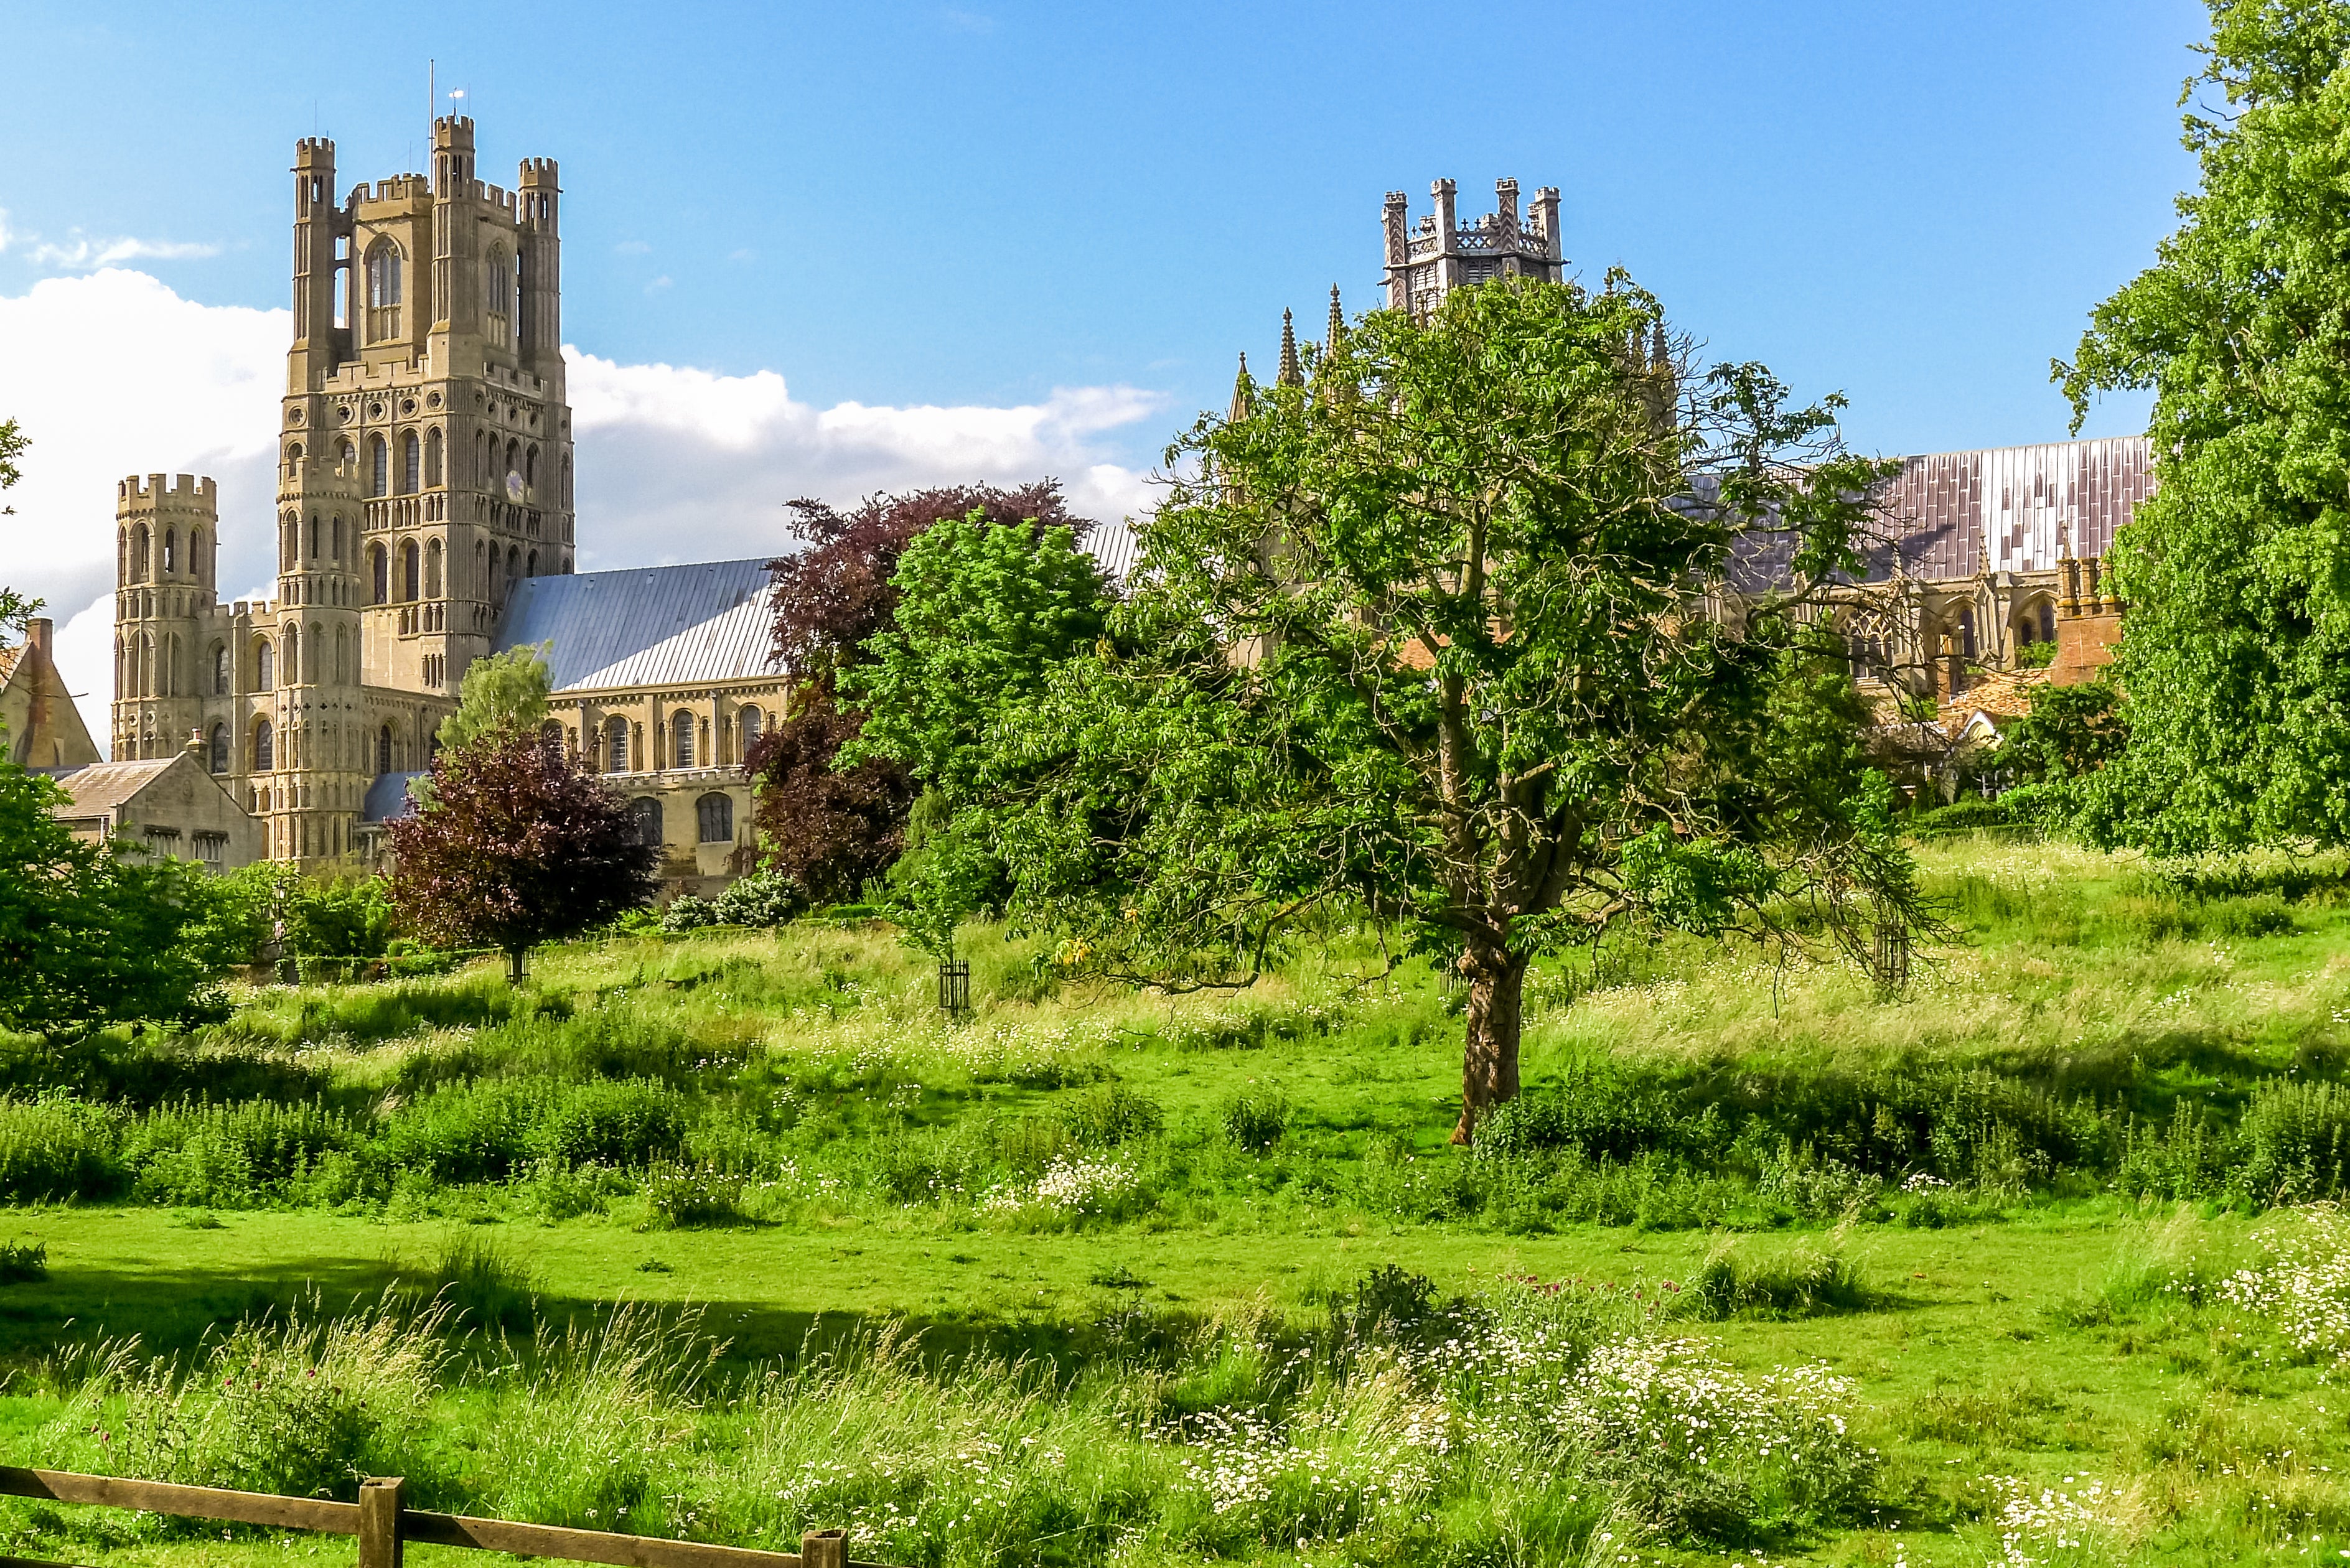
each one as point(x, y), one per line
point(514, 485)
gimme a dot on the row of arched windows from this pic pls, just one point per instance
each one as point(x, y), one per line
point(420, 572)
point(714, 819)
point(682, 729)
point(142, 554)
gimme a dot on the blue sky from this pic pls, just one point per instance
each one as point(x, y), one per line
point(979, 202)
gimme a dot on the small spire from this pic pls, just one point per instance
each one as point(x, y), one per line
point(1657, 346)
point(1337, 318)
point(1240, 408)
point(1291, 374)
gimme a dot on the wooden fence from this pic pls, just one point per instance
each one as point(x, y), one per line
point(384, 1523)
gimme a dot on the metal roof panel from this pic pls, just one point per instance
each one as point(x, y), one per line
point(648, 626)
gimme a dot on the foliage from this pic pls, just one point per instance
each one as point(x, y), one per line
point(502, 696)
point(765, 898)
point(837, 592)
point(1426, 636)
point(91, 933)
point(2235, 660)
point(516, 846)
point(13, 442)
point(828, 831)
point(2070, 732)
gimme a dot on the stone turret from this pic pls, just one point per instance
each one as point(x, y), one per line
point(1426, 262)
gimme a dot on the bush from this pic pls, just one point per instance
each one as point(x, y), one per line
point(54, 1148)
point(467, 1132)
point(24, 1263)
point(766, 899)
point(1112, 1115)
point(2295, 1141)
point(679, 1195)
point(1256, 1121)
point(629, 1124)
point(689, 913)
point(230, 1157)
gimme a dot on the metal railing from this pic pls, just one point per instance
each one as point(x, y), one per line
point(384, 1522)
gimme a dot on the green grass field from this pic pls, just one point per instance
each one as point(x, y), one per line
point(734, 1235)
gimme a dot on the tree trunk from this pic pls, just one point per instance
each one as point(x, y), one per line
point(516, 973)
point(1489, 1063)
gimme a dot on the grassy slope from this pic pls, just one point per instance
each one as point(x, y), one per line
point(1987, 1351)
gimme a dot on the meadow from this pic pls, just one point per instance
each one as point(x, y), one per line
point(732, 1234)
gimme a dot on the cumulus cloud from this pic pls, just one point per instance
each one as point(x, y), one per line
point(112, 373)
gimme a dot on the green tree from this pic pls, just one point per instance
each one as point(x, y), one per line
point(1434, 635)
point(15, 608)
point(982, 612)
point(2234, 666)
point(91, 933)
point(502, 694)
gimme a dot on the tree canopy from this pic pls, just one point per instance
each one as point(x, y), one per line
point(1441, 636)
point(93, 933)
point(514, 846)
point(832, 829)
point(2234, 665)
point(502, 694)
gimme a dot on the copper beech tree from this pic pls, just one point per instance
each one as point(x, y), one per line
point(516, 844)
point(1442, 636)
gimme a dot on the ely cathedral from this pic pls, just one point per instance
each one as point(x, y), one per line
point(424, 517)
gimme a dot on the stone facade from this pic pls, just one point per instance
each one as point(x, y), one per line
point(424, 481)
point(169, 805)
point(1428, 260)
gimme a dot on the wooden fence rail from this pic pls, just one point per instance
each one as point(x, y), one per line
point(384, 1523)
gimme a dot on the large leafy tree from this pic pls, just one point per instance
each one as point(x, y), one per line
point(2234, 666)
point(831, 828)
point(93, 933)
point(502, 694)
point(514, 846)
point(983, 612)
point(1441, 635)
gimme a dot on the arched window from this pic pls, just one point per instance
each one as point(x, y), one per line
point(408, 573)
point(174, 686)
point(681, 746)
point(264, 747)
point(313, 535)
point(264, 665)
point(383, 750)
point(433, 569)
point(480, 571)
point(342, 658)
point(293, 459)
point(482, 457)
point(530, 469)
point(337, 535)
point(379, 573)
point(432, 456)
point(530, 565)
point(646, 809)
point(616, 744)
point(513, 466)
point(170, 549)
point(200, 563)
point(552, 730)
point(378, 466)
point(2046, 621)
point(513, 562)
point(751, 721)
point(217, 758)
point(293, 655)
point(346, 455)
point(498, 293)
point(382, 292)
point(411, 464)
point(713, 815)
point(219, 670)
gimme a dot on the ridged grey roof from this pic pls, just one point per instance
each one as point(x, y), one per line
point(388, 797)
point(648, 626)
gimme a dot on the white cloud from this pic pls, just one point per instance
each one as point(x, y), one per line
point(113, 374)
point(633, 248)
point(4, 228)
point(86, 251)
point(659, 284)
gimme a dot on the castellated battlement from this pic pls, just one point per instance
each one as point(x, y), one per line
point(390, 188)
point(453, 129)
point(185, 492)
point(537, 172)
point(313, 150)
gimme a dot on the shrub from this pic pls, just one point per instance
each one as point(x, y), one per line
point(24, 1263)
point(230, 1157)
point(1109, 1116)
point(2295, 1138)
point(766, 899)
point(687, 913)
point(474, 1131)
point(680, 1195)
point(1254, 1121)
point(628, 1123)
point(54, 1147)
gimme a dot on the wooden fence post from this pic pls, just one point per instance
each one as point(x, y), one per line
point(824, 1549)
point(379, 1501)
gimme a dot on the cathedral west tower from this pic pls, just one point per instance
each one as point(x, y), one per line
point(424, 469)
